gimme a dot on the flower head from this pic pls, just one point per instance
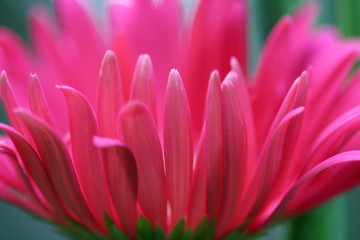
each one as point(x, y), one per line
point(240, 149)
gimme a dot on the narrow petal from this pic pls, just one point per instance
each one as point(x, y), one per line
point(122, 178)
point(58, 164)
point(335, 135)
point(22, 193)
point(235, 153)
point(350, 158)
point(135, 118)
point(38, 102)
point(271, 158)
point(14, 58)
point(86, 157)
point(11, 103)
point(109, 95)
point(178, 145)
point(213, 145)
point(143, 84)
point(269, 94)
point(36, 170)
point(196, 209)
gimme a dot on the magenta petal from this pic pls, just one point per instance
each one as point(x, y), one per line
point(139, 132)
point(109, 95)
point(58, 164)
point(178, 145)
point(270, 165)
point(122, 179)
point(335, 135)
point(143, 84)
point(349, 157)
point(235, 153)
point(16, 187)
point(270, 81)
point(86, 157)
point(11, 103)
point(196, 209)
point(213, 145)
point(36, 170)
point(38, 102)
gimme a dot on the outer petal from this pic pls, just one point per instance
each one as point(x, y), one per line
point(235, 153)
point(58, 164)
point(11, 103)
point(350, 158)
point(86, 157)
point(178, 146)
point(36, 170)
point(16, 188)
point(213, 145)
point(139, 133)
point(196, 209)
point(122, 179)
point(109, 95)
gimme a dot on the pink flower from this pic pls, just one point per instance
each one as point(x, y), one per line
point(240, 148)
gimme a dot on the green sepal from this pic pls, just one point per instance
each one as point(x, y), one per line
point(205, 230)
point(147, 231)
point(114, 231)
point(75, 231)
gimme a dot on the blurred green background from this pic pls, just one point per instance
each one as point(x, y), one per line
point(338, 219)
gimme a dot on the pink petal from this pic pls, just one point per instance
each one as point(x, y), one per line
point(178, 145)
point(196, 209)
point(143, 84)
point(269, 94)
point(109, 96)
point(58, 165)
point(36, 170)
point(18, 188)
point(14, 58)
point(235, 153)
point(38, 102)
point(218, 33)
point(157, 23)
point(122, 179)
point(213, 145)
point(300, 188)
point(86, 157)
point(135, 118)
point(11, 103)
point(335, 135)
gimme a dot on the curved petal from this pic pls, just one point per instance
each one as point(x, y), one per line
point(36, 170)
point(58, 164)
point(86, 157)
point(122, 179)
point(139, 132)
